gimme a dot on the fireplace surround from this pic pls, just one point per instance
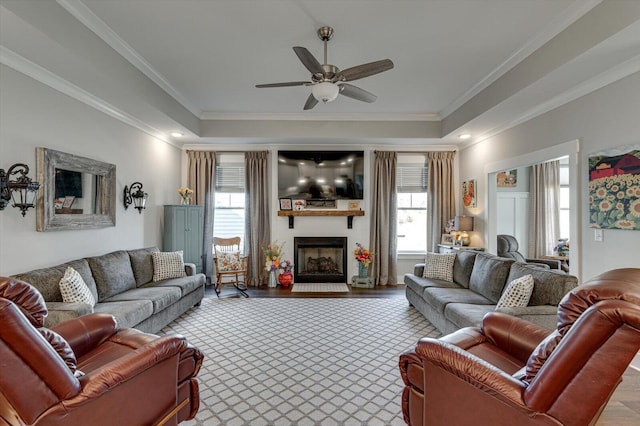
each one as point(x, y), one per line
point(320, 259)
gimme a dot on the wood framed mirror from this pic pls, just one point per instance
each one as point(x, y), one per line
point(76, 192)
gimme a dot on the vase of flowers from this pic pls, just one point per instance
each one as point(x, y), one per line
point(185, 195)
point(273, 255)
point(286, 276)
point(364, 258)
point(562, 248)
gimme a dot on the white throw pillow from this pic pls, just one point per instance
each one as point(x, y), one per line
point(517, 293)
point(167, 265)
point(74, 289)
point(439, 266)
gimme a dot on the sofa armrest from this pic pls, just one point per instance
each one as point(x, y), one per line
point(418, 269)
point(190, 269)
point(62, 311)
point(87, 332)
point(514, 335)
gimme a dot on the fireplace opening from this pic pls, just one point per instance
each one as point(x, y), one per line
point(320, 259)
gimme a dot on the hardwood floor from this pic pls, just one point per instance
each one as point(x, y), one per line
point(623, 408)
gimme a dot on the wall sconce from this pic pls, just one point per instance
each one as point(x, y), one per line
point(22, 190)
point(463, 224)
point(135, 195)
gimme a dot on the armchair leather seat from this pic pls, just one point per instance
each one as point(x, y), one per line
point(86, 371)
point(510, 371)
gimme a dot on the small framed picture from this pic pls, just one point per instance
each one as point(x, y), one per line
point(446, 239)
point(285, 204)
point(58, 202)
point(68, 202)
point(299, 204)
point(354, 205)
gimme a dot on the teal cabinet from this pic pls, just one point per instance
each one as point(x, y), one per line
point(183, 230)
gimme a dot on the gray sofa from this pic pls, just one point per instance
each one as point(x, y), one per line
point(121, 283)
point(478, 282)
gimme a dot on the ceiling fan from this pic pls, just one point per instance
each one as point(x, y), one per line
point(327, 80)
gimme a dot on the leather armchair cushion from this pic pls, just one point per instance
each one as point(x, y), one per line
point(28, 300)
point(61, 346)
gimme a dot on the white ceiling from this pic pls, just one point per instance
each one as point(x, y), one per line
point(208, 55)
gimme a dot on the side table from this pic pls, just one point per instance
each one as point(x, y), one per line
point(448, 248)
point(362, 282)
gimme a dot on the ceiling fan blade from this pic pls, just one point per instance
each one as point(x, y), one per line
point(311, 102)
point(287, 84)
point(357, 93)
point(365, 70)
point(308, 60)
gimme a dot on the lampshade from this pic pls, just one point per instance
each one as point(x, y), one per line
point(463, 223)
point(325, 91)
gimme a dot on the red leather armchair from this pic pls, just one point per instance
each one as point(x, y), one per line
point(511, 371)
point(87, 372)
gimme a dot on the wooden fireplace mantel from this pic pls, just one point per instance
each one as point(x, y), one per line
point(348, 213)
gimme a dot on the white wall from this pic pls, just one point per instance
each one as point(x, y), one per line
point(33, 115)
point(603, 119)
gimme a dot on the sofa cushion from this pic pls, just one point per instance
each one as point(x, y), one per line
point(438, 298)
point(167, 265)
point(74, 289)
point(462, 267)
point(466, 315)
point(47, 280)
point(489, 275)
point(113, 273)
point(127, 313)
point(549, 285)
point(160, 297)
point(439, 266)
point(185, 284)
point(142, 264)
point(517, 293)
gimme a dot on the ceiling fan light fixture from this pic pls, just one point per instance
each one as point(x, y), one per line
point(325, 91)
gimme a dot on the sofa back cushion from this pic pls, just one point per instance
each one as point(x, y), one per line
point(462, 267)
point(142, 264)
point(113, 273)
point(550, 285)
point(47, 280)
point(489, 275)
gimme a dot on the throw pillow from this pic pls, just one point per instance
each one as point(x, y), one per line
point(517, 293)
point(229, 262)
point(74, 289)
point(439, 266)
point(167, 265)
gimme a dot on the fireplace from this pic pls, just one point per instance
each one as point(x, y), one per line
point(320, 259)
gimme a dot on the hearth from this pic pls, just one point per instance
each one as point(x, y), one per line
point(320, 259)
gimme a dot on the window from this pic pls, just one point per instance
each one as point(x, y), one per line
point(565, 205)
point(411, 184)
point(229, 212)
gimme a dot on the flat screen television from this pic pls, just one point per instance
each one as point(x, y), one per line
point(321, 175)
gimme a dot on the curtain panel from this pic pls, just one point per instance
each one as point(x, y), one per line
point(544, 207)
point(384, 219)
point(257, 219)
point(441, 196)
point(202, 179)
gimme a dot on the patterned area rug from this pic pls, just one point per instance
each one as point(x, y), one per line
point(320, 288)
point(300, 361)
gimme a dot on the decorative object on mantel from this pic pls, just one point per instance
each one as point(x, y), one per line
point(285, 203)
point(134, 194)
point(461, 225)
point(469, 194)
point(185, 195)
point(321, 204)
point(614, 188)
point(22, 190)
point(299, 205)
point(364, 258)
point(286, 276)
point(272, 255)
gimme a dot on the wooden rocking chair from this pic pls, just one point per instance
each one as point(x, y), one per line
point(231, 265)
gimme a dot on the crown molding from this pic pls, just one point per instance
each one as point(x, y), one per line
point(302, 116)
point(578, 9)
point(46, 77)
point(89, 19)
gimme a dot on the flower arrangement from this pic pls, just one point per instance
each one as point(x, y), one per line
point(562, 248)
point(185, 193)
point(363, 255)
point(286, 265)
point(272, 255)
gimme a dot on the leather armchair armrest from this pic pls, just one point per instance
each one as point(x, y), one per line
point(551, 263)
point(513, 335)
point(86, 332)
point(119, 371)
point(471, 369)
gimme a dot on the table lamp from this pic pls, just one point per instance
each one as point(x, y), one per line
point(463, 224)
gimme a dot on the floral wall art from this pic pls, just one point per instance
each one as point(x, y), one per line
point(614, 188)
point(469, 193)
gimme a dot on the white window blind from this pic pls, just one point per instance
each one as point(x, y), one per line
point(411, 178)
point(230, 178)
